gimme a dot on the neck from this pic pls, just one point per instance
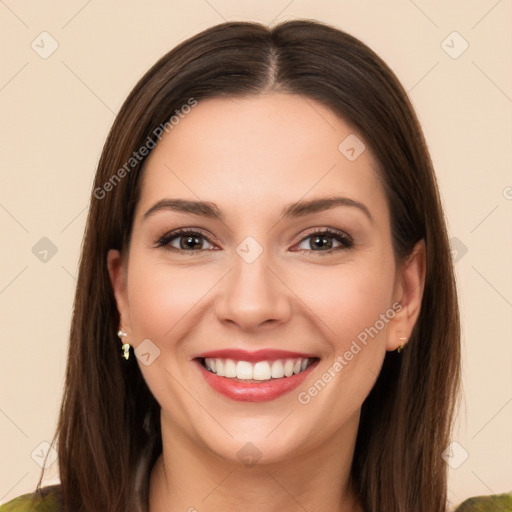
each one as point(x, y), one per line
point(189, 478)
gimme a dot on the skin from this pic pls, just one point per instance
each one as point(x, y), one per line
point(251, 157)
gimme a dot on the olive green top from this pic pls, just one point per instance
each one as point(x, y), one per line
point(495, 503)
point(49, 501)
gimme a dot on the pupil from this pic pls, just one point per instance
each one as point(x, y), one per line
point(322, 241)
point(190, 242)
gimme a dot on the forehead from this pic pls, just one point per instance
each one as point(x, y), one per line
point(261, 149)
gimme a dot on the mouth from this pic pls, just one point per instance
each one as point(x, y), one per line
point(266, 370)
point(255, 376)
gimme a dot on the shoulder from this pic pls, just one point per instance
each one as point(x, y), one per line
point(495, 503)
point(46, 499)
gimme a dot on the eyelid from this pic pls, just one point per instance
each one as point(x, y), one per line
point(345, 240)
point(325, 230)
point(166, 238)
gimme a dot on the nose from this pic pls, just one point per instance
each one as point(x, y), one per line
point(252, 295)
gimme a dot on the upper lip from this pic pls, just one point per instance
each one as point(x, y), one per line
point(254, 356)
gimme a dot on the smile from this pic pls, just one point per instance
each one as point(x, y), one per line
point(260, 371)
point(255, 376)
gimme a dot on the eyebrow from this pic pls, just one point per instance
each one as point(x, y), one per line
point(298, 209)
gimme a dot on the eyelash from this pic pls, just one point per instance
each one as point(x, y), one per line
point(346, 241)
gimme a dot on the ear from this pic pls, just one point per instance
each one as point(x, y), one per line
point(117, 272)
point(408, 292)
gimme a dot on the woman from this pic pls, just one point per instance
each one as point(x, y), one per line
point(217, 361)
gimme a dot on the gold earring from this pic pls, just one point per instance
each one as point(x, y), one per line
point(404, 341)
point(126, 346)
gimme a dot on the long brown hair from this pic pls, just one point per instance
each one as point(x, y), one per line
point(108, 432)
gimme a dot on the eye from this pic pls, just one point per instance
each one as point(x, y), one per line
point(325, 241)
point(184, 240)
point(319, 241)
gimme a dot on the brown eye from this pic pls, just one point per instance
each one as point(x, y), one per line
point(325, 241)
point(190, 242)
point(184, 241)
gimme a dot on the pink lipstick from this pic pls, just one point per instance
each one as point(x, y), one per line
point(254, 376)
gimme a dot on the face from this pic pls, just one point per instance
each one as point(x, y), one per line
point(267, 278)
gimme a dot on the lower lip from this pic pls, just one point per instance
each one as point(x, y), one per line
point(252, 391)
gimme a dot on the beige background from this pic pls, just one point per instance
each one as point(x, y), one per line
point(56, 113)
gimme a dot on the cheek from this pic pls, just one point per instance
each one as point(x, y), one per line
point(350, 304)
point(160, 297)
point(351, 300)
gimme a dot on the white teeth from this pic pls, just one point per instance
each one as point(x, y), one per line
point(278, 370)
point(243, 370)
point(288, 368)
point(229, 368)
point(262, 370)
